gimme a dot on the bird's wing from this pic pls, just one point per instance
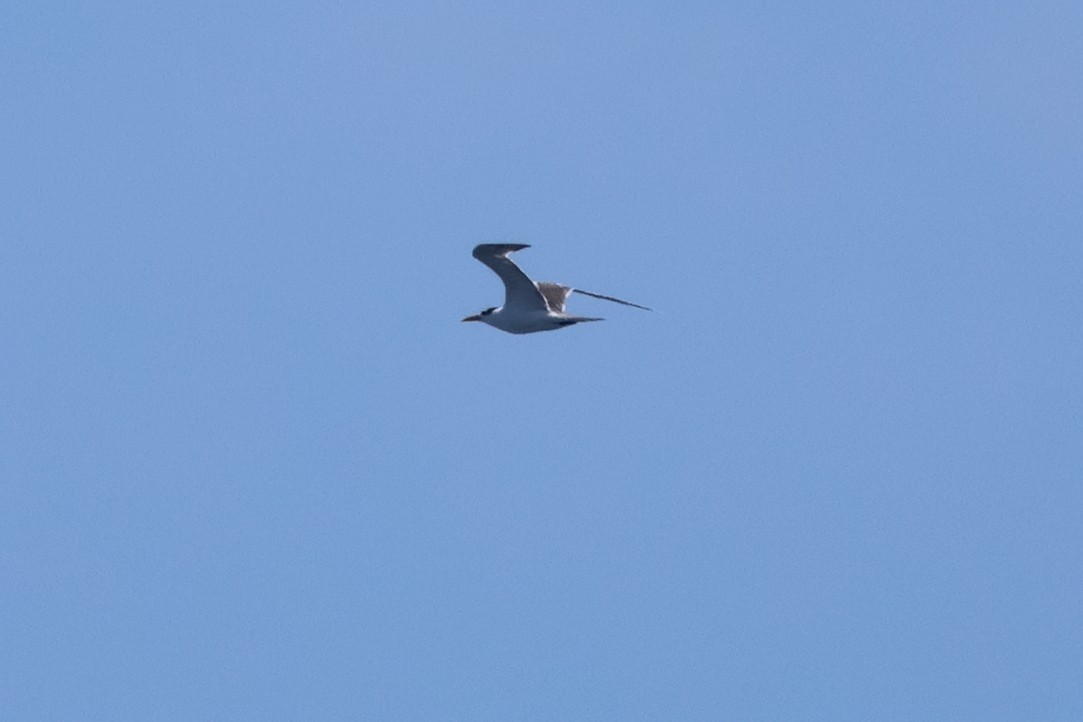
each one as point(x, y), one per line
point(609, 298)
point(519, 291)
point(555, 295)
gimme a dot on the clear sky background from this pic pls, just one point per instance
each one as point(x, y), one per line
point(253, 467)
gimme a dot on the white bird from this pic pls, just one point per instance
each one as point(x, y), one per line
point(529, 306)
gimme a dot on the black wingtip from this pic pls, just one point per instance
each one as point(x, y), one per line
point(497, 249)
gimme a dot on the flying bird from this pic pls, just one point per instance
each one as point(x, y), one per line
point(529, 306)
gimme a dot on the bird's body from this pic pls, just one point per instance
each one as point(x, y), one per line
point(529, 306)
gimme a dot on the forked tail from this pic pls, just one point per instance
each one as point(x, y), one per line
point(572, 320)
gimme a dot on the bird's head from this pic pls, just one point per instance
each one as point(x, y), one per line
point(481, 316)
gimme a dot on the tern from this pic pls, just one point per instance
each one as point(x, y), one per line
point(529, 306)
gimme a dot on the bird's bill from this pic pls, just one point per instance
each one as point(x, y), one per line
point(472, 318)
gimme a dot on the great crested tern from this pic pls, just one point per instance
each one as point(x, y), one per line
point(529, 306)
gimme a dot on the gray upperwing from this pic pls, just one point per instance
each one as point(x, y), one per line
point(519, 291)
point(555, 295)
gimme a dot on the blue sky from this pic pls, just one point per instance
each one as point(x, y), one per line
point(253, 467)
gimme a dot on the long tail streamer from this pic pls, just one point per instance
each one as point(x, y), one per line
point(610, 298)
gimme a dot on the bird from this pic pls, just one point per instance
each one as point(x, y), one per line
point(529, 306)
